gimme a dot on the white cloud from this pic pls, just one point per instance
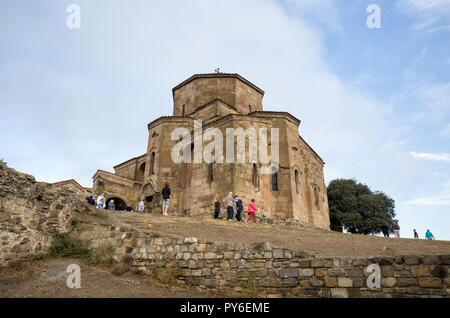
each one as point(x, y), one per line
point(433, 101)
point(428, 13)
point(440, 199)
point(432, 156)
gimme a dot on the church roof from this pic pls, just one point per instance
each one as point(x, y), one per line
point(218, 75)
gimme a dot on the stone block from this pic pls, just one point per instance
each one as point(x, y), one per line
point(339, 293)
point(322, 263)
point(411, 260)
point(405, 282)
point(289, 272)
point(320, 272)
point(331, 282)
point(278, 253)
point(439, 271)
point(431, 260)
point(388, 282)
point(345, 282)
point(420, 271)
point(430, 282)
point(316, 282)
point(306, 272)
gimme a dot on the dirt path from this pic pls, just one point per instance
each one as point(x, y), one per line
point(315, 241)
point(95, 282)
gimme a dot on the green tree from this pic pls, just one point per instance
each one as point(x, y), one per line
point(355, 207)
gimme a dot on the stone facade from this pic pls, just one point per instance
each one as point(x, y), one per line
point(31, 213)
point(222, 101)
point(276, 272)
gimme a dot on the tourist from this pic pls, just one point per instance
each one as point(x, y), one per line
point(239, 208)
point(217, 209)
point(385, 230)
point(396, 229)
point(101, 201)
point(416, 235)
point(91, 201)
point(166, 198)
point(141, 207)
point(252, 210)
point(229, 204)
point(111, 205)
point(429, 235)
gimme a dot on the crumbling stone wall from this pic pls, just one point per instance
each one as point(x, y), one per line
point(31, 212)
point(276, 272)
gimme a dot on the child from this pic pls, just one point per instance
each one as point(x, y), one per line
point(251, 210)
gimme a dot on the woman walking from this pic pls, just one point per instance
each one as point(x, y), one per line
point(251, 210)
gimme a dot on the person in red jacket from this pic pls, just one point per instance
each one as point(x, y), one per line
point(251, 210)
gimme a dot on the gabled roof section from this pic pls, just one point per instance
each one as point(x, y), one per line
point(129, 160)
point(69, 181)
point(218, 75)
point(213, 102)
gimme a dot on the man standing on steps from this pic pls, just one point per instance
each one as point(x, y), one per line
point(166, 198)
point(229, 204)
point(396, 229)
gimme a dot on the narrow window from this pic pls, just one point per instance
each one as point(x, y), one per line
point(183, 110)
point(296, 182)
point(316, 197)
point(152, 164)
point(211, 175)
point(249, 109)
point(255, 175)
point(274, 181)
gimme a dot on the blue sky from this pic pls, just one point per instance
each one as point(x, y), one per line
point(374, 103)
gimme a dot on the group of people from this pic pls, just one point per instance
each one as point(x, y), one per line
point(396, 231)
point(235, 207)
point(100, 202)
point(166, 196)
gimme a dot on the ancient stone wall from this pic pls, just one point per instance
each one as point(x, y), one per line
point(275, 272)
point(31, 212)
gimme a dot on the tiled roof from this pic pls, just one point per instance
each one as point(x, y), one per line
point(218, 75)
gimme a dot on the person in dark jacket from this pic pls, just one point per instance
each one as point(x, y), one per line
point(385, 230)
point(217, 209)
point(239, 208)
point(165, 199)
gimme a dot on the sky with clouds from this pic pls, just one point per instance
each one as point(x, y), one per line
point(374, 103)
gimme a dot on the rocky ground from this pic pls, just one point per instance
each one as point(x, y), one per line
point(48, 279)
point(314, 241)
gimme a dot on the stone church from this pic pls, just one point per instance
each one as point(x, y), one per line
point(221, 100)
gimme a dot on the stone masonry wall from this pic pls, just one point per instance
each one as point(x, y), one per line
point(30, 213)
point(276, 272)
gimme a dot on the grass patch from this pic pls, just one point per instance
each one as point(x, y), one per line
point(65, 246)
point(123, 267)
point(20, 269)
point(250, 290)
point(167, 274)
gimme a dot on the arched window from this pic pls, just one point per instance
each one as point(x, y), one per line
point(297, 186)
point(183, 110)
point(274, 181)
point(255, 175)
point(249, 109)
point(152, 163)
